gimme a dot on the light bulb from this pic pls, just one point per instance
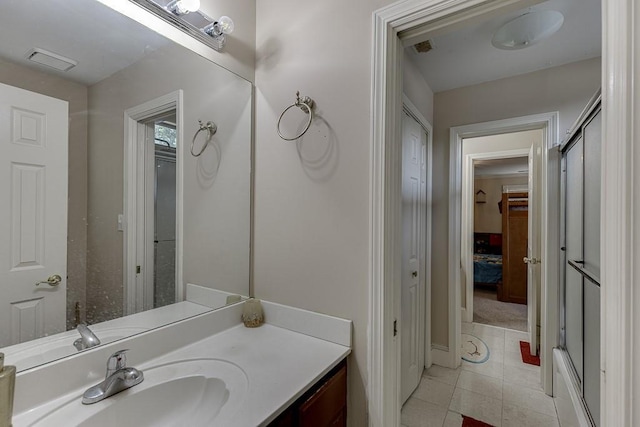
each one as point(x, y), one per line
point(189, 5)
point(226, 24)
point(182, 7)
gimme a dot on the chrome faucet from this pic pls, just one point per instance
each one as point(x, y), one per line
point(118, 378)
point(87, 338)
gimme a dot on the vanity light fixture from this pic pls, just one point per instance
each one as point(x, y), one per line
point(528, 29)
point(182, 7)
point(187, 16)
point(218, 29)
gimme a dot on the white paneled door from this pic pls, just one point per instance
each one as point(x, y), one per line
point(33, 214)
point(414, 143)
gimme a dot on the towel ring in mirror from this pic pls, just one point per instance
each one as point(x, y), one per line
point(211, 129)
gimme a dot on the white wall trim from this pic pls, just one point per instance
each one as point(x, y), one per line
point(413, 110)
point(383, 361)
point(133, 298)
point(467, 218)
point(550, 242)
point(440, 355)
point(620, 232)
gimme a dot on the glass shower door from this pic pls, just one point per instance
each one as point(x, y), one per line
point(581, 297)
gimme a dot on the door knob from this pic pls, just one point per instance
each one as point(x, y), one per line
point(530, 260)
point(51, 280)
point(414, 274)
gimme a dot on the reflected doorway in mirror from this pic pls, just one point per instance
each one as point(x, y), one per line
point(153, 204)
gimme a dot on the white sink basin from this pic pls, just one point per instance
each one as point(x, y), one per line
point(199, 392)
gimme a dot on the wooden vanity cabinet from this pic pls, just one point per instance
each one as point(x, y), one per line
point(324, 405)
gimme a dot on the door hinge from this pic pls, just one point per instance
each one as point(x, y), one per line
point(395, 327)
point(137, 269)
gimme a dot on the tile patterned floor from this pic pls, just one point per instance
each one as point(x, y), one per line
point(504, 391)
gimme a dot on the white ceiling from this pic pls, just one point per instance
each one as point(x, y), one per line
point(465, 57)
point(101, 40)
point(497, 167)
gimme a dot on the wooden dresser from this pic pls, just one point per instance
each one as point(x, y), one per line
point(515, 220)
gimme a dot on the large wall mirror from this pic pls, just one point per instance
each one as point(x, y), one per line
point(107, 218)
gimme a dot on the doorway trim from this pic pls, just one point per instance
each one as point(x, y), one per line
point(620, 189)
point(383, 362)
point(468, 211)
point(550, 243)
point(134, 153)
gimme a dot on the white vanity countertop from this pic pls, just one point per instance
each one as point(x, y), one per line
point(279, 363)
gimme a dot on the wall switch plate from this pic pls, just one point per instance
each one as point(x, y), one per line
point(120, 222)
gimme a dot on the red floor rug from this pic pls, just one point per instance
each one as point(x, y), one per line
point(472, 422)
point(526, 354)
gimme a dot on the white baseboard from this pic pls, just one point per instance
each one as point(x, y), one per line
point(440, 355)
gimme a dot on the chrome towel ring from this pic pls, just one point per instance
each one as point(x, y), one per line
point(211, 129)
point(306, 105)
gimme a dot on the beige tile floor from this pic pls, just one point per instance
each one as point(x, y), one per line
point(504, 391)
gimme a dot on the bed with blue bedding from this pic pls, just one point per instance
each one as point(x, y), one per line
point(487, 268)
point(487, 258)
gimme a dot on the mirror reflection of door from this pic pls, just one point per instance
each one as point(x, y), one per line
point(33, 153)
point(164, 242)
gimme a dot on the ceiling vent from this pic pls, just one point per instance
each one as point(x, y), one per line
point(50, 59)
point(423, 47)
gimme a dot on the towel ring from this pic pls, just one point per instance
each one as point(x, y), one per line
point(211, 129)
point(306, 105)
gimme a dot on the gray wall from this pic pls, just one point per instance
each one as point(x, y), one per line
point(487, 217)
point(417, 89)
point(312, 196)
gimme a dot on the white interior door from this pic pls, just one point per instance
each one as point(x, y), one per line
point(533, 248)
point(33, 214)
point(414, 142)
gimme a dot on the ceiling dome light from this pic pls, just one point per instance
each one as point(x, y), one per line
point(527, 30)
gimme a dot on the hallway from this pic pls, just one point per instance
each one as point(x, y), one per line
point(502, 392)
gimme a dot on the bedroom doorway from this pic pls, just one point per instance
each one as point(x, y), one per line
point(498, 237)
point(501, 231)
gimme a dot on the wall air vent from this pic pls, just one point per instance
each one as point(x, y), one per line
point(423, 47)
point(50, 59)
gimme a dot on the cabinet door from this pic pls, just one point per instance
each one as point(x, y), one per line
point(327, 406)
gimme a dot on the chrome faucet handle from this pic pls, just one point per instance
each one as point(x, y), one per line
point(117, 361)
point(87, 338)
